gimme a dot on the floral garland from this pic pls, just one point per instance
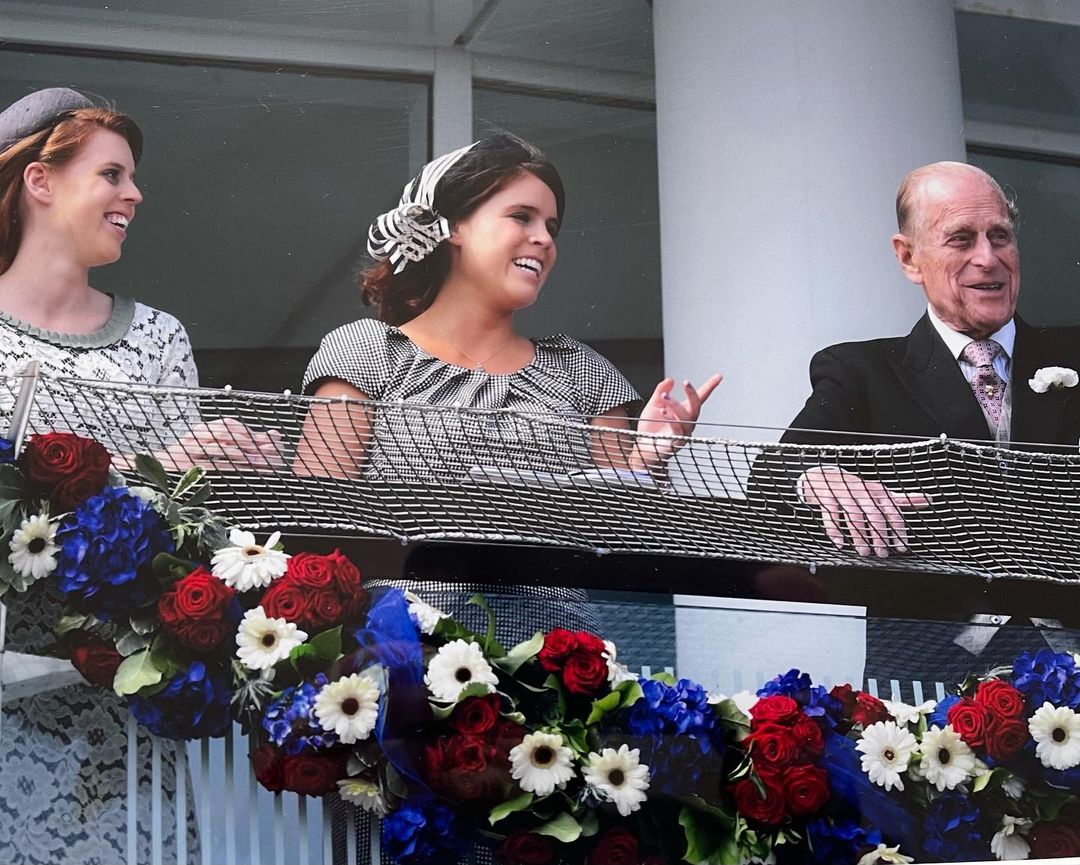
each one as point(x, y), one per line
point(550, 751)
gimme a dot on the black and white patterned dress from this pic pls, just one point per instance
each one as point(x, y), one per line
point(565, 378)
point(63, 782)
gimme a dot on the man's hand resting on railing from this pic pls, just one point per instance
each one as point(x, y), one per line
point(663, 416)
point(869, 510)
point(226, 445)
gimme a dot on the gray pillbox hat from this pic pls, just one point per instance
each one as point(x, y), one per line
point(36, 111)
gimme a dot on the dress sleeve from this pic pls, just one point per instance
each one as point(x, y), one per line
point(178, 363)
point(604, 387)
point(356, 353)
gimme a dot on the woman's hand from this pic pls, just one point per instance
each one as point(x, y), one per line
point(226, 444)
point(664, 416)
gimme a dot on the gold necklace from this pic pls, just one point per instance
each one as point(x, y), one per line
point(478, 365)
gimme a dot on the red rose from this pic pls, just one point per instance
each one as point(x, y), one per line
point(558, 644)
point(324, 609)
point(1001, 698)
point(527, 848)
point(1054, 840)
point(777, 709)
point(970, 720)
point(615, 847)
point(203, 636)
point(166, 610)
point(95, 659)
point(311, 774)
point(74, 467)
point(768, 809)
point(585, 672)
point(507, 736)
point(286, 600)
point(773, 745)
point(806, 789)
point(347, 580)
point(808, 734)
point(311, 569)
point(589, 642)
point(868, 710)
point(268, 765)
point(476, 715)
point(201, 595)
point(1005, 738)
point(466, 754)
point(435, 764)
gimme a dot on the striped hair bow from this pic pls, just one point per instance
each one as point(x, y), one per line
point(412, 230)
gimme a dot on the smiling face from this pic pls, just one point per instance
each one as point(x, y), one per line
point(962, 250)
point(505, 249)
point(92, 199)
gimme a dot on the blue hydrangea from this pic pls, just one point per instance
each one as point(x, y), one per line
point(1049, 676)
point(813, 699)
point(683, 766)
point(7, 451)
point(291, 723)
point(682, 708)
point(840, 841)
point(104, 545)
point(193, 705)
point(940, 715)
point(952, 831)
point(418, 834)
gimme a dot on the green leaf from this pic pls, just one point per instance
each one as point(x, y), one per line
point(167, 567)
point(626, 694)
point(490, 645)
point(9, 578)
point(327, 645)
point(503, 809)
point(521, 653)
point(473, 689)
point(191, 477)
point(129, 642)
point(576, 736)
point(151, 470)
point(562, 827)
point(708, 841)
point(13, 483)
point(74, 622)
point(136, 672)
point(733, 718)
point(144, 621)
point(663, 676)
point(199, 496)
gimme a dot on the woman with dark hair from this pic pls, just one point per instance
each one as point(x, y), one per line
point(67, 197)
point(471, 243)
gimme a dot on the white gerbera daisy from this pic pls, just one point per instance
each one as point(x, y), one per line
point(617, 673)
point(541, 763)
point(892, 855)
point(1057, 734)
point(263, 642)
point(248, 565)
point(618, 777)
point(886, 750)
point(906, 714)
point(456, 665)
point(425, 615)
point(349, 707)
point(33, 553)
point(947, 761)
point(1009, 841)
point(364, 794)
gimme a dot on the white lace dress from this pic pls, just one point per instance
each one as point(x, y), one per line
point(63, 778)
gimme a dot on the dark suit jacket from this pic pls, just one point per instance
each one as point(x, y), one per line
point(913, 386)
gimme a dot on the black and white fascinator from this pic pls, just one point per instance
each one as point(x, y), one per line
point(412, 230)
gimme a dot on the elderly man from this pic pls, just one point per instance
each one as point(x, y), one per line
point(963, 371)
point(952, 373)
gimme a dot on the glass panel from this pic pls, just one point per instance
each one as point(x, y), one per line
point(259, 186)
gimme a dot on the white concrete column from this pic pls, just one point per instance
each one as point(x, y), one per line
point(783, 131)
point(451, 100)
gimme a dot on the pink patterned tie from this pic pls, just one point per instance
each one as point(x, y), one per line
point(987, 384)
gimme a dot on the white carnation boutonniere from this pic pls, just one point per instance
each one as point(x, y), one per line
point(1053, 378)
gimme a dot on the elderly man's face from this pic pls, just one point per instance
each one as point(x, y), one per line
point(964, 253)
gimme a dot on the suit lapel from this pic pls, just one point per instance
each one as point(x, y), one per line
point(933, 378)
point(1036, 417)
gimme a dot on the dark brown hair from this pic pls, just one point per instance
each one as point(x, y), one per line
point(54, 145)
point(472, 180)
